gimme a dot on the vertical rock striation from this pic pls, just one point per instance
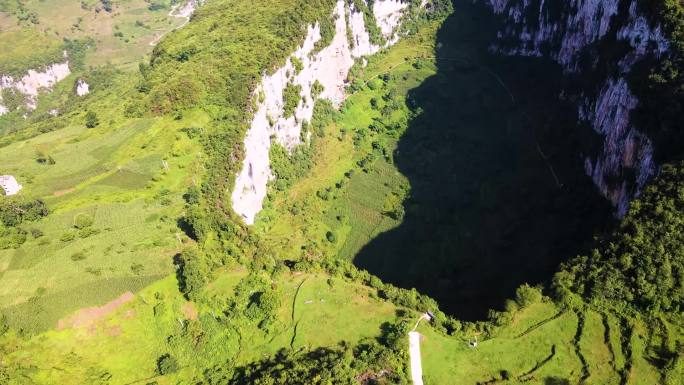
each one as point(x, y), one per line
point(328, 68)
point(571, 33)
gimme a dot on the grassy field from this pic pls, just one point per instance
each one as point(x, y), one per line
point(551, 345)
point(157, 312)
point(26, 48)
point(128, 177)
point(134, 22)
point(37, 33)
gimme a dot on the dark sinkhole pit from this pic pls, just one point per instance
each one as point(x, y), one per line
point(499, 196)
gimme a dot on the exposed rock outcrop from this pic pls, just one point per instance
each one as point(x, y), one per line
point(328, 67)
point(82, 88)
point(569, 33)
point(34, 82)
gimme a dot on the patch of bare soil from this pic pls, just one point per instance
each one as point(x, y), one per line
point(189, 310)
point(63, 192)
point(88, 316)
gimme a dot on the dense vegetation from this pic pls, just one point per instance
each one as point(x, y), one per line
point(639, 267)
point(659, 82)
point(410, 154)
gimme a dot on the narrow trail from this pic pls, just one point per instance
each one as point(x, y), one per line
point(295, 323)
point(181, 15)
point(540, 324)
point(414, 353)
point(416, 363)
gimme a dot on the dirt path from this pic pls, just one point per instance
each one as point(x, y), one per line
point(416, 363)
point(414, 353)
point(185, 12)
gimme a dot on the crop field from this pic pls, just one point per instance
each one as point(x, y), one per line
point(128, 178)
point(158, 311)
point(552, 345)
point(99, 291)
point(566, 348)
point(122, 37)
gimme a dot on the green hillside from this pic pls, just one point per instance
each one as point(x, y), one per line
point(446, 182)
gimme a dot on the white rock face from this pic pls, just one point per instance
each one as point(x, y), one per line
point(82, 88)
point(582, 23)
point(329, 67)
point(31, 84)
point(565, 35)
point(9, 184)
point(186, 10)
point(362, 45)
point(388, 13)
point(624, 146)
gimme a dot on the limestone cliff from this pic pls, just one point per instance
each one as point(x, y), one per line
point(573, 33)
point(326, 68)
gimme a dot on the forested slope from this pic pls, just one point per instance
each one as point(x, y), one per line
point(125, 263)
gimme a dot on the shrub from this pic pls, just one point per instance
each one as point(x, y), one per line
point(527, 295)
point(43, 158)
point(316, 89)
point(291, 98)
point(107, 5)
point(87, 231)
point(11, 238)
point(167, 364)
point(297, 64)
point(82, 221)
point(91, 120)
point(68, 236)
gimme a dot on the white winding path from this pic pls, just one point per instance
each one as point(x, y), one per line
point(183, 13)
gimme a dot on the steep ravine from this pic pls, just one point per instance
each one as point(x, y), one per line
point(498, 194)
point(597, 43)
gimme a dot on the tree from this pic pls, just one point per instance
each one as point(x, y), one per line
point(527, 295)
point(167, 364)
point(91, 120)
point(14, 211)
point(641, 263)
point(107, 5)
point(192, 272)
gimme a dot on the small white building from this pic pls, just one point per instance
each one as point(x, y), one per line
point(9, 184)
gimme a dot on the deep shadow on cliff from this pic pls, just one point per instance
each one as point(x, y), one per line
point(498, 192)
